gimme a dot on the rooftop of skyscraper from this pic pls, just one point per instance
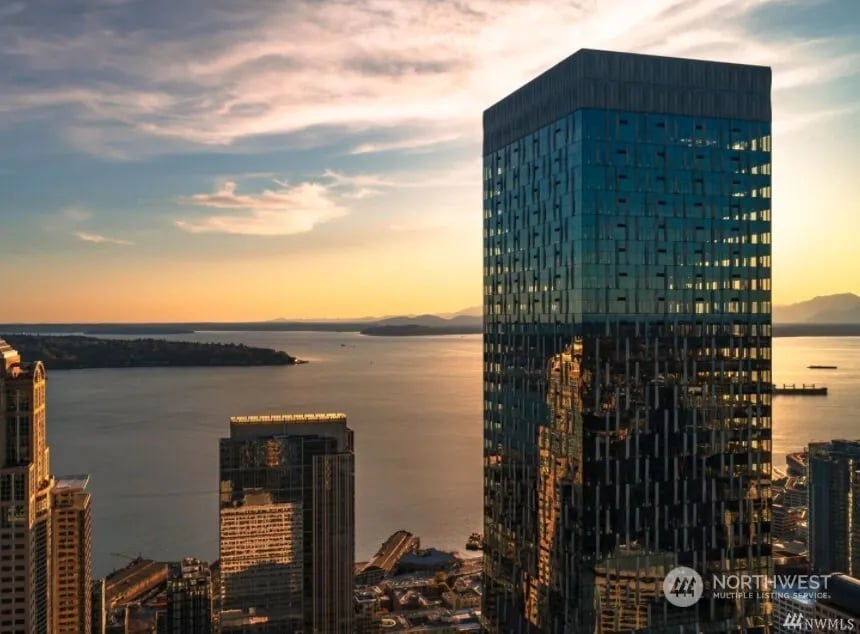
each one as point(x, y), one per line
point(330, 424)
point(71, 482)
point(836, 447)
point(188, 568)
point(287, 418)
point(630, 81)
point(8, 355)
point(5, 348)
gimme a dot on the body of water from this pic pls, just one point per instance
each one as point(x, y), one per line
point(798, 420)
point(149, 437)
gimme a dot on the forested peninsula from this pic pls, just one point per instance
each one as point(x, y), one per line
point(76, 352)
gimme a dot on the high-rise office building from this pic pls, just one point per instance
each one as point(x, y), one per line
point(189, 598)
point(71, 557)
point(98, 607)
point(834, 507)
point(287, 524)
point(627, 371)
point(44, 522)
point(25, 498)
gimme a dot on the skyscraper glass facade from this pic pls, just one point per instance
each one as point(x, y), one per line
point(834, 506)
point(627, 371)
point(287, 524)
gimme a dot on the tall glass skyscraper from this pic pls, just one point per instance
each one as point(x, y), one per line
point(627, 344)
point(287, 524)
point(834, 506)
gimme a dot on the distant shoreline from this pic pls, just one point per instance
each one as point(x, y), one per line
point(364, 328)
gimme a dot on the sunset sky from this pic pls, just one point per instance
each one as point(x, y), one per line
point(168, 160)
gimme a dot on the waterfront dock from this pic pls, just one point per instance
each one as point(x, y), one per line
point(801, 390)
point(384, 561)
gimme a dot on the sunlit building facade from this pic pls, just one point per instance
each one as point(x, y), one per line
point(287, 523)
point(71, 558)
point(627, 365)
point(25, 498)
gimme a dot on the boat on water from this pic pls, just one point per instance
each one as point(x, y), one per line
point(822, 367)
point(475, 542)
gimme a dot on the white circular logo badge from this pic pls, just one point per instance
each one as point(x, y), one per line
point(683, 586)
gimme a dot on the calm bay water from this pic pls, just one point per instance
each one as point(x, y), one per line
point(797, 420)
point(149, 437)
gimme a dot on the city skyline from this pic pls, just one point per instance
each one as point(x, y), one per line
point(244, 167)
point(624, 419)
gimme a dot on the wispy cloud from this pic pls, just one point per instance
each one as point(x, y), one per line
point(67, 219)
point(374, 64)
point(817, 68)
point(460, 174)
point(364, 192)
point(288, 209)
point(802, 120)
point(358, 180)
point(75, 213)
point(274, 212)
point(413, 144)
point(98, 238)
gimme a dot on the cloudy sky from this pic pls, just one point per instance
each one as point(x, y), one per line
point(214, 159)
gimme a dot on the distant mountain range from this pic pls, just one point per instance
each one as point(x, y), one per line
point(843, 308)
point(827, 315)
point(467, 316)
point(432, 321)
point(467, 321)
point(472, 311)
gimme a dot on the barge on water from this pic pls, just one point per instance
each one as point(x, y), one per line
point(801, 390)
point(475, 542)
